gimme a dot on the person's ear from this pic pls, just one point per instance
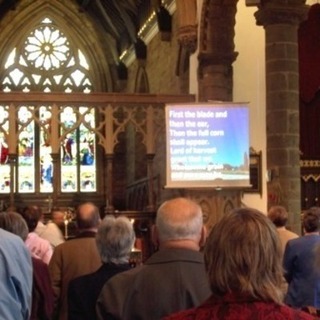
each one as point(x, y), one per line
point(203, 236)
point(155, 236)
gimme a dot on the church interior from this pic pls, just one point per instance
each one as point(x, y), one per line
point(84, 86)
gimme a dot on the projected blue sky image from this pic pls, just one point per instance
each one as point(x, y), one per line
point(206, 135)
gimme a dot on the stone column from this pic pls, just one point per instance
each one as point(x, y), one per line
point(280, 20)
point(187, 24)
point(217, 53)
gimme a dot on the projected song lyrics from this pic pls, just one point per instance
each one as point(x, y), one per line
point(207, 143)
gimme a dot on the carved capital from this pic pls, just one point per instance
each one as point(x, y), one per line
point(272, 13)
point(187, 20)
point(187, 36)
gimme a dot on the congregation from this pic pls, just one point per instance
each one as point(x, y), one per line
point(248, 266)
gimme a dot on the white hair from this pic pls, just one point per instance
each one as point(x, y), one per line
point(115, 239)
point(179, 219)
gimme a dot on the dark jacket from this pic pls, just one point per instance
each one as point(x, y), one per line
point(301, 273)
point(42, 292)
point(171, 280)
point(83, 291)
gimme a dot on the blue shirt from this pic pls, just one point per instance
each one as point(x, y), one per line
point(15, 278)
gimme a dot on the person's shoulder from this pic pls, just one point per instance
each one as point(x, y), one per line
point(288, 233)
point(10, 238)
point(7, 235)
point(189, 314)
point(13, 247)
point(296, 242)
point(51, 226)
point(83, 280)
point(74, 242)
point(176, 255)
point(294, 314)
point(123, 279)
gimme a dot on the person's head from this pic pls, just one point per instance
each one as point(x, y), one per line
point(179, 221)
point(278, 215)
point(243, 254)
point(310, 220)
point(87, 216)
point(14, 223)
point(57, 217)
point(32, 215)
point(115, 239)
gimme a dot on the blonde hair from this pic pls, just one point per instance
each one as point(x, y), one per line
point(243, 254)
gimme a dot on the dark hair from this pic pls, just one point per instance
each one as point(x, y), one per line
point(278, 215)
point(310, 219)
point(31, 215)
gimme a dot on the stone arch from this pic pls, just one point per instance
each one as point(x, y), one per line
point(142, 81)
point(74, 24)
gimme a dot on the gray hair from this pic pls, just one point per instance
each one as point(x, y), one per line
point(14, 223)
point(115, 239)
point(179, 219)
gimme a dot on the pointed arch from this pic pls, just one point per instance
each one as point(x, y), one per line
point(142, 81)
point(75, 25)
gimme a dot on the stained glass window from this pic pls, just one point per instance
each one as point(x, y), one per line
point(4, 150)
point(26, 154)
point(78, 150)
point(48, 61)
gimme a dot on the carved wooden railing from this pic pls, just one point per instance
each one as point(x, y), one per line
point(114, 112)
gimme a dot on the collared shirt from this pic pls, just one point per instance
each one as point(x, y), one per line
point(15, 278)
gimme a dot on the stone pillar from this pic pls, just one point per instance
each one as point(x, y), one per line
point(217, 53)
point(280, 20)
point(187, 24)
point(215, 75)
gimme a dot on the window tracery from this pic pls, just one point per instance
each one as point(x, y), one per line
point(47, 61)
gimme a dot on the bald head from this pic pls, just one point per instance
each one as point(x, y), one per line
point(58, 217)
point(87, 216)
point(179, 219)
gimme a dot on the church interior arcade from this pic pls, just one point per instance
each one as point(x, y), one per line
point(84, 84)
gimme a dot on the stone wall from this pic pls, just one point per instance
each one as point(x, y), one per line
point(160, 65)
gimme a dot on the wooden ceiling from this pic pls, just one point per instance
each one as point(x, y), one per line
point(120, 18)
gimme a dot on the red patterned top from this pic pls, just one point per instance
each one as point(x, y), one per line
point(240, 307)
